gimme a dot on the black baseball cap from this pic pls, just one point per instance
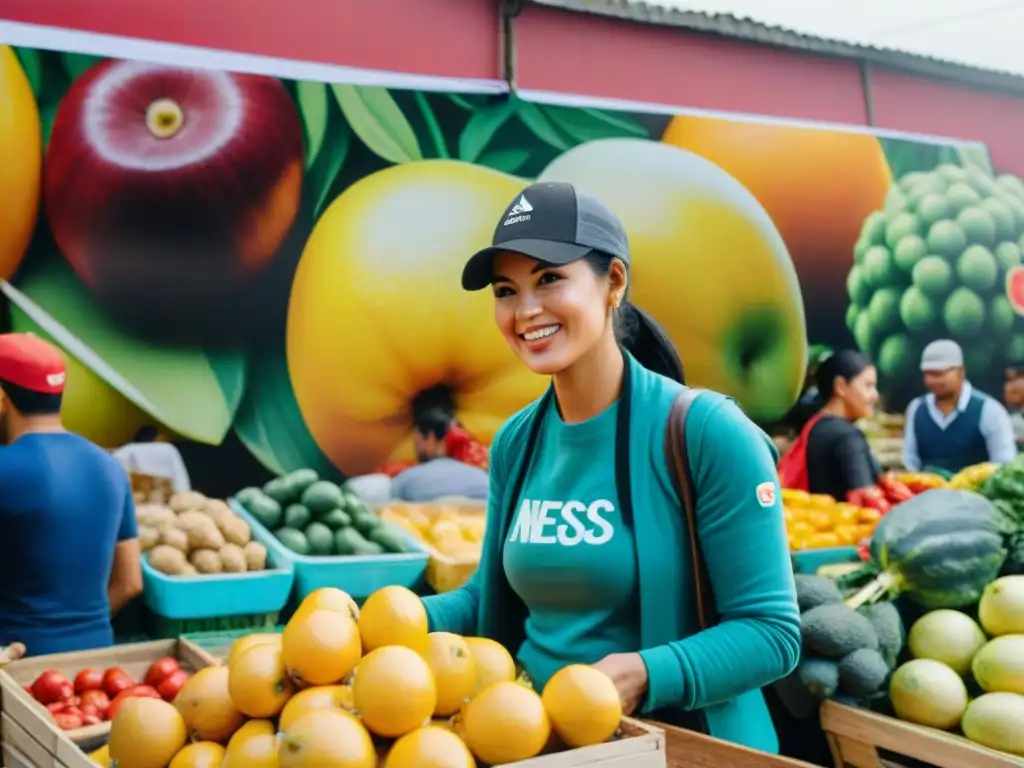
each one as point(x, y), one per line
point(553, 222)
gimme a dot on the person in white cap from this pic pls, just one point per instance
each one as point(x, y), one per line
point(955, 425)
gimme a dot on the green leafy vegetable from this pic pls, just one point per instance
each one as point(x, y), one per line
point(378, 121)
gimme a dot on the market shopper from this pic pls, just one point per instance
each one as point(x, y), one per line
point(148, 454)
point(955, 425)
point(69, 556)
point(587, 558)
point(831, 455)
point(438, 474)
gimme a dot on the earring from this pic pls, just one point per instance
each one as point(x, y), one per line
point(615, 301)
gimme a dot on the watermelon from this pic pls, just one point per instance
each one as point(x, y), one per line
point(940, 548)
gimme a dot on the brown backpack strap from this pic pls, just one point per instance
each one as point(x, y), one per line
point(682, 480)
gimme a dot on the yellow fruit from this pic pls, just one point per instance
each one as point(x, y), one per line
point(999, 665)
point(929, 693)
point(326, 737)
point(245, 643)
point(454, 671)
point(996, 721)
point(201, 754)
point(743, 337)
point(505, 723)
point(254, 745)
point(359, 269)
point(147, 733)
point(21, 158)
point(321, 697)
point(948, 636)
point(331, 599)
point(394, 691)
point(430, 747)
point(393, 616)
point(206, 707)
point(583, 705)
point(101, 756)
point(493, 663)
point(258, 681)
point(1001, 610)
point(321, 647)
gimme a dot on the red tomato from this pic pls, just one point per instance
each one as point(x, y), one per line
point(98, 700)
point(135, 692)
point(88, 680)
point(171, 684)
point(52, 686)
point(88, 719)
point(161, 670)
point(67, 722)
point(73, 709)
point(56, 706)
point(116, 680)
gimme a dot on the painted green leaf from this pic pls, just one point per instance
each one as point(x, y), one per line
point(320, 178)
point(46, 117)
point(583, 125)
point(905, 156)
point(433, 126)
point(32, 65)
point(375, 117)
point(270, 425)
point(182, 388)
point(313, 105)
point(76, 63)
point(539, 125)
point(480, 129)
point(505, 160)
point(975, 156)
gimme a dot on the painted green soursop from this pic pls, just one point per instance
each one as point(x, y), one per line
point(932, 264)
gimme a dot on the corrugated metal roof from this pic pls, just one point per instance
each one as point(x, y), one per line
point(750, 30)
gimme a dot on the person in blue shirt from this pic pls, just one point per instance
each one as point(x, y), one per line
point(69, 556)
point(586, 556)
point(955, 425)
point(437, 475)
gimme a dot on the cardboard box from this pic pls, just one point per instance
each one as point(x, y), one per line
point(642, 746)
point(24, 716)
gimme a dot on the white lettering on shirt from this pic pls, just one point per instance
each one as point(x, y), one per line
point(566, 523)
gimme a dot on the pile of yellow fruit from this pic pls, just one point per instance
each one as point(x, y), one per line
point(453, 531)
point(362, 689)
point(816, 520)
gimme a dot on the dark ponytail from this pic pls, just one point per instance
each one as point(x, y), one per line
point(638, 332)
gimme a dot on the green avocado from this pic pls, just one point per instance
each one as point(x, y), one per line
point(293, 540)
point(335, 519)
point(296, 516)
point(322, 496)
point(320, 538)
point(264, 509)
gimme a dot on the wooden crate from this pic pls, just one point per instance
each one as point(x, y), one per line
point(689, 749)
point(855, 737)
point(642, 746)
point(22, 713)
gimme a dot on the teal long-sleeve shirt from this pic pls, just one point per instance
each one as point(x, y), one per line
point(742, 536)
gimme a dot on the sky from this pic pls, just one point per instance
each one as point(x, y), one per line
point(981, 33)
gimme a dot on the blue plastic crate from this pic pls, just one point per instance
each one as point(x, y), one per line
point(810, 560)
point(223, 594)
point(359, 575)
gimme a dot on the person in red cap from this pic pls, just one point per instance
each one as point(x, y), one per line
point(69, 557)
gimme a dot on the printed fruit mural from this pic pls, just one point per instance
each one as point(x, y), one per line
point(272, 266)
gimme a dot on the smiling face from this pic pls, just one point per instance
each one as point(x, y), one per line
point(553, 315)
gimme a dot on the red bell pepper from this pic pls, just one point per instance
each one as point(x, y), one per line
point(895, 490)
point(872, 498)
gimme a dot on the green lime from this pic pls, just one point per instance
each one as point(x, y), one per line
point(874, 228)
point(852, 312)
point(895, 357)
point(865, 334)
point(859, 249)
point(1016, 207)
point(1001, 316)
point(917, 311)
point(960, 195)
point(910, 250)
point(981, 181)
point(931, 208)
point(977, 269)
point(895, 201)
point(1002, 216)
point(933, 276)
point(884, 309)
point(950, 173)
point(857, 286)
point(1015, 349)
point(901, 225)
point(946, 238)
point(1011, 184)
point(913, 179)
point(978, 226)
point(880, 268)
point(964, 313)
point(1008, 255)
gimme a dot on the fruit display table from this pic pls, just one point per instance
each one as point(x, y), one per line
point(687, 749)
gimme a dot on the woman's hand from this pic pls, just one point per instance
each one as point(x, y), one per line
point(629, 673)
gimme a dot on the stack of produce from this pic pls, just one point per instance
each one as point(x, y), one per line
point(316, 517)
point(814, 521)
point(347, 687)
point(972, 478)
point(453, 531)
point(193, 535)
point(955, 660)
point(96, 695)
point(919, 482)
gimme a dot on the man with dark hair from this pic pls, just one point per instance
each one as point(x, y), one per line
point(69, 557)
point(438, 474)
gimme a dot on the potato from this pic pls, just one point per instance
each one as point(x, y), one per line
point(214, 507)
point(232, 559)
point(192, 518)
point(140, 497)
point(149, 537)
point(157, 497)
point(189, 570)
point(235, 530)
point(255, 556)
point(182, 502)
point(172, 536)
point(167, 560)
point(206, 561)
point(205, 536)
point(152, 514)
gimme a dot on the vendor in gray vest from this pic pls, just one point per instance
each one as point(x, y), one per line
point(955, 426)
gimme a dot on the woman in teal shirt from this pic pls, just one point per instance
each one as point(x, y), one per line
point(582, 564)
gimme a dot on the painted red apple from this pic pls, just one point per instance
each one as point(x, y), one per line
point(1015, 289)
point(161, 183)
